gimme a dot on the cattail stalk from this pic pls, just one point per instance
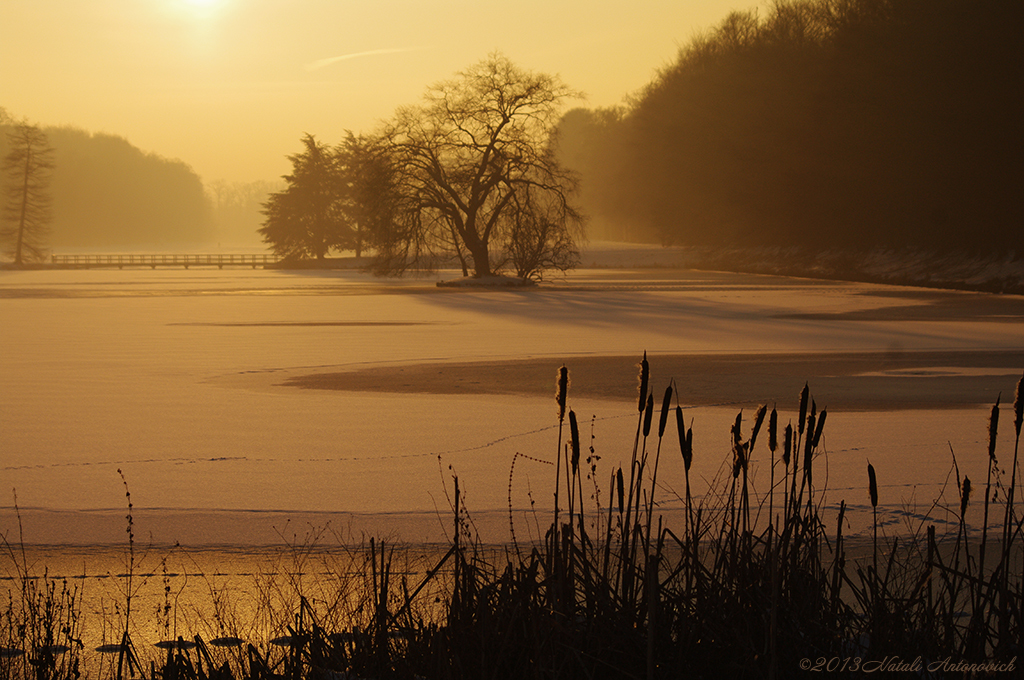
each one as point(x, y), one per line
point(562, 388)
point(993, 429)
point(873, 493)
point(1018, 420)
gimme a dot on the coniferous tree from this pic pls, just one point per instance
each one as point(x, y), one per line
point(27, 169)
point(307, 218)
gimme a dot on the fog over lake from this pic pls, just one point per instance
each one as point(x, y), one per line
point(245, 404)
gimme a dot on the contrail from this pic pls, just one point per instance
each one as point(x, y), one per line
point(320, 63)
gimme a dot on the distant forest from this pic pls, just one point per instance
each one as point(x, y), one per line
point(107, 192)
point(820, 123)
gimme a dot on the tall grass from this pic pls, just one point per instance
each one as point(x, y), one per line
point(754, 584)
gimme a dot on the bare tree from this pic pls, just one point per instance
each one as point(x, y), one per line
point(27, 169)
point(476, 174)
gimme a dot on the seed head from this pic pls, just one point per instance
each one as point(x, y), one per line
point(664, 411)
point(1018, 406)
point(993, 427)
point(805, 393)
point(685, 443)
point(820, 427)
point(758, 421)
point(648, 414)
point(787, 444)
point(965, 496)
point(645, 374)
point(562, 391)
point(872, 486)
point(773, 431)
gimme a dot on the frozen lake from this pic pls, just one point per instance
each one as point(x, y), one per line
point(244, 406)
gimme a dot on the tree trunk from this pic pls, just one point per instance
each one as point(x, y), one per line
point(481, 260)
point(477, 248)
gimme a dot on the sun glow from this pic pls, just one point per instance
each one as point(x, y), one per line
point(201, 6)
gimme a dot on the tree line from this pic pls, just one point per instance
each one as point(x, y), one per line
point(467, 176)
point(99, 191)
point(821, 123)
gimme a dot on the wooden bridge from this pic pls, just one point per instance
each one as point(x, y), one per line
point(120, 261)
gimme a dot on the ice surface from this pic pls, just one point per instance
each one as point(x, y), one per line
point(175, 377)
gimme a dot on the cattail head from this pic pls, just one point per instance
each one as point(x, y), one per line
point(805, 393)
point(688, 457)
point(773, 431)
point(965, 496)
point(808, 448)
point(622, 495)
point(562, 391)
point(683, 449)
point(787, 444)
point(819, 427)
point(737, 437)
point(664, 411)
point(872, 486)
point(574, 435)
point(648, 414)
point(993, 428)
point(758, 421)
point(645, 375)
point(1018, 406)
point(739, 461)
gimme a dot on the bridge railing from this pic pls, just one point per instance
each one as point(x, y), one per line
point(122, 260)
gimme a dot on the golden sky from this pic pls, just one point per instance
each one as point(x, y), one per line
point(229, 86)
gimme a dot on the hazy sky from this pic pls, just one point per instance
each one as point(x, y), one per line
point(229, 86)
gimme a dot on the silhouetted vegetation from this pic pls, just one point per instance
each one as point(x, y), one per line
point(750, 583)
point(107, 193)
point(825, 123)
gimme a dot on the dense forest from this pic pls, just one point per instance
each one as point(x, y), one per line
point(107, 193)
point(823, 123)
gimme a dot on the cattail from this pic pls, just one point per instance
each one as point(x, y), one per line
point(563, 390)
point(737, 438)
point(758, 421)
point(739, 459)
point(993, 427)
point(1018, 406)
point(645, 374)
point(664, 411)
point(773, 431)
point(622, 495)
point(688, 458)
point(872, 486)
point(808, 443)
point(574, 433)
point(648, 414)
point(685, 450)
point(805, 393)
point(787, 444)
point(820, 427)
point(965, 497)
